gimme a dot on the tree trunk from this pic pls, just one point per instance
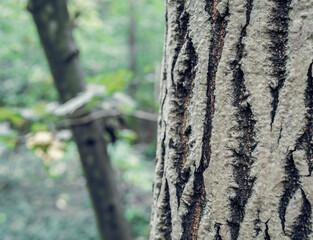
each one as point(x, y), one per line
point(132, 47)
point(132, 37)
point(235, 147)
point(54, 28)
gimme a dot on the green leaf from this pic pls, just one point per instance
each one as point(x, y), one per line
point(113, 82)
point(7, 114)
point(37, 127)
point(127, 134)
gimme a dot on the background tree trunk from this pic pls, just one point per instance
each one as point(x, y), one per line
point(54, 28)
point(132, 37)
point(235, 147)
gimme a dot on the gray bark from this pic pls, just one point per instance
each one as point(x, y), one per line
point(235, 147)
point(54, 28)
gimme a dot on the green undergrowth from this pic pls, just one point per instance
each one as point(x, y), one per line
point(35, 206)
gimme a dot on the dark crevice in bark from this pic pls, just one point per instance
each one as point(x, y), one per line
point(242, 163)
point(165, 224)
point(182, 94)
point(216, 48)
point(267, 236)
point(161, 166)
point(188, 131)
point(279, 137)
point(291, 185)
point(279, 38)
point(184, 87)
point(180, 35)
point(160, 124)
point(171, 144)
point(211, 9)
point(257, 225)
point(304, 142)
point(306, 138)
point(217, 236)
point(192, 219)
point(303, 225)
point(309, 91)
point(163, 101)
point(245, 126)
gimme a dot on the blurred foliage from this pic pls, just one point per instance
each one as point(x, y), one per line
point(35, 206)
point(42, 188)
point(113, 82)
point(25, 79)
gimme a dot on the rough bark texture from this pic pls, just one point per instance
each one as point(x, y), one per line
point(235, 146)
point(54, 28)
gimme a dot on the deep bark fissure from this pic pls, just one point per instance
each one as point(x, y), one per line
point(306, 139)
point(267, 236)
point(211, 9)
point(164, 98)
point(279, 39)
point(192, 219)
point(184, 87)
point(217, 236)
point(279, 136)
point(162, 164)
point(292, 181)
point(166, 215)
point(245, 126)
point(182, 20)
point(291, 185)
point(216, 48)
point(257, 224)
point(160, 169)
point(303, 225)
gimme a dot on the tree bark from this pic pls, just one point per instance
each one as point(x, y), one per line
point(235, 148)
point(54, 28)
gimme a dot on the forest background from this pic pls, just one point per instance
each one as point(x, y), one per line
point(43, 193)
